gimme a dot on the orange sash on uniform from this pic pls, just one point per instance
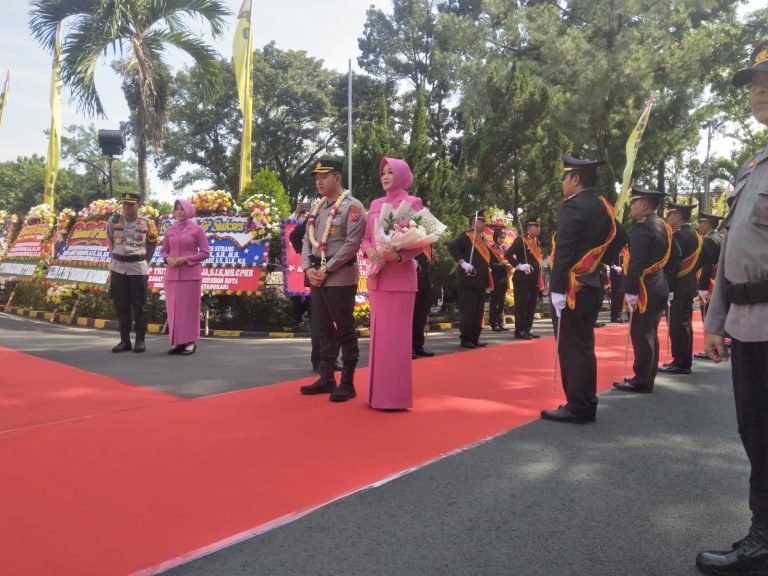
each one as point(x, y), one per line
point(687, 263)
point(642, 291)
point(534, 249)
point(589, 261)
point(482, 249)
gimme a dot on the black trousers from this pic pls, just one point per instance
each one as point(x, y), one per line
point(471, 313)
point(576, 350)
point(420, 315)
point(644, 332)
point(331, 304)
point(526, 298)
point(681, 332)
point(496, 305)
point(749, 364)
point(617, 295)
point(129, 295)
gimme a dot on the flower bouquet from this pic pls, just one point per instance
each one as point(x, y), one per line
point(213, 202)
point(99, 210)
point(40, 214)
point(263, 217)
point(404, 229)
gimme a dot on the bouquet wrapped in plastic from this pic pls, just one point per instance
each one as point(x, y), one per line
point(404, 229)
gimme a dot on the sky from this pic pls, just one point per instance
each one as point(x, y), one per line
point(291, 24)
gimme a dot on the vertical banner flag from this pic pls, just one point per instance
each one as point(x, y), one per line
point(242, 58)
point(4, 95)
point(633, 145)
point(54, 140)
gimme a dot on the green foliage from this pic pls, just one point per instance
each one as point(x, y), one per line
point(266, 183)
point(270, 311)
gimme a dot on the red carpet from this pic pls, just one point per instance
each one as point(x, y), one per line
point(134, 491)
point(35, 391)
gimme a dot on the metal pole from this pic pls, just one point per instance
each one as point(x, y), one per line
point(349, 126)
point(626, 344)
point(557, 350)
point(109, 175)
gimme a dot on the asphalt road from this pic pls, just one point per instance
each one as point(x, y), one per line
point(657, 478)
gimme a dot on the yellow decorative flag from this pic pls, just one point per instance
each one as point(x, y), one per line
point(242, 58)
point(54, 140)
point(633, 144)
point(4, 95)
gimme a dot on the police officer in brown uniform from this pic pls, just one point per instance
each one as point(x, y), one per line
point(132, 242)
point(335, 229)
point(682, 288)
point(739, 307)
point(472, 279)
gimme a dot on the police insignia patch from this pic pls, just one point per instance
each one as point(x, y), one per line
point(354, 213)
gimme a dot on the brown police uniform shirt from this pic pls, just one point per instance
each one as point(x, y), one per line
point(344, 241)
point(128, 239)
point(743, 256)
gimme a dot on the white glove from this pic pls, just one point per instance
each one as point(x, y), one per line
point(617, 269)
point(467, 267)
point(527, 268)
point(631, 300)
point(558, 301)
point(704, 295)
point(670, 298)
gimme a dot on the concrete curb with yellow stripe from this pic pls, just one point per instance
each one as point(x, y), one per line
point(58, 318)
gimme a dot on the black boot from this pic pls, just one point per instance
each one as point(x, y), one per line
point(346, 389)
point(125, 343)
point(323, 385)
point(749, 555)
point(139, 346)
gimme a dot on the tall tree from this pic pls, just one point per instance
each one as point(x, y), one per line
point(140, 29)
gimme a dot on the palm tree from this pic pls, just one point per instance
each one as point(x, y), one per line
point(138, 31)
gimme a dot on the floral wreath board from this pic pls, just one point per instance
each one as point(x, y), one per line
point(29, 252)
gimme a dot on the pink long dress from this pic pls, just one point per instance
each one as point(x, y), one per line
point(182, 284)
point(391, 293)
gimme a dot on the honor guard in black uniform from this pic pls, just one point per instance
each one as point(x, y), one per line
point(586, 227)
point(682, 288)
point(710, 254)
point(472, 279)
point(739, 306)
point(422, 302)
point(132, 242)
point(616, 275)
point(335, 229)
point(645, 287)
point(500, 269)
point(527, 281)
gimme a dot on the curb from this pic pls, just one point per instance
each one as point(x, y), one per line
point(83, 322)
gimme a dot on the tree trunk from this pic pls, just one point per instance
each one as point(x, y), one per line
point(141, 155)
point(661, 177)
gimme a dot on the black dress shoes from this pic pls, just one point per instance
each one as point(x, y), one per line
point(122, 347)
point(189, 349)
point(523, 336)
point(562, 414)
point(674, 369)
point(599, 324)
point(748, 558)
point(532, 335)
point(496, 328)
point(319, 386)
point(629, 386)
point(176, 350)
point(423, 352)
point(467, 344)
point(617, 320)
point(479, 344)
point(139, 347)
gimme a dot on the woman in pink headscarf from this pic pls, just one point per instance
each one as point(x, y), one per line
point(391, 292)
point(185, 246)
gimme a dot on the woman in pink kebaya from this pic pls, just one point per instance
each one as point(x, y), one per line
point(185, 247)
point(391, 292)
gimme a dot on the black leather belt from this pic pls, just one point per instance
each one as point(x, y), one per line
point(752, 293)
point(129, 258)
